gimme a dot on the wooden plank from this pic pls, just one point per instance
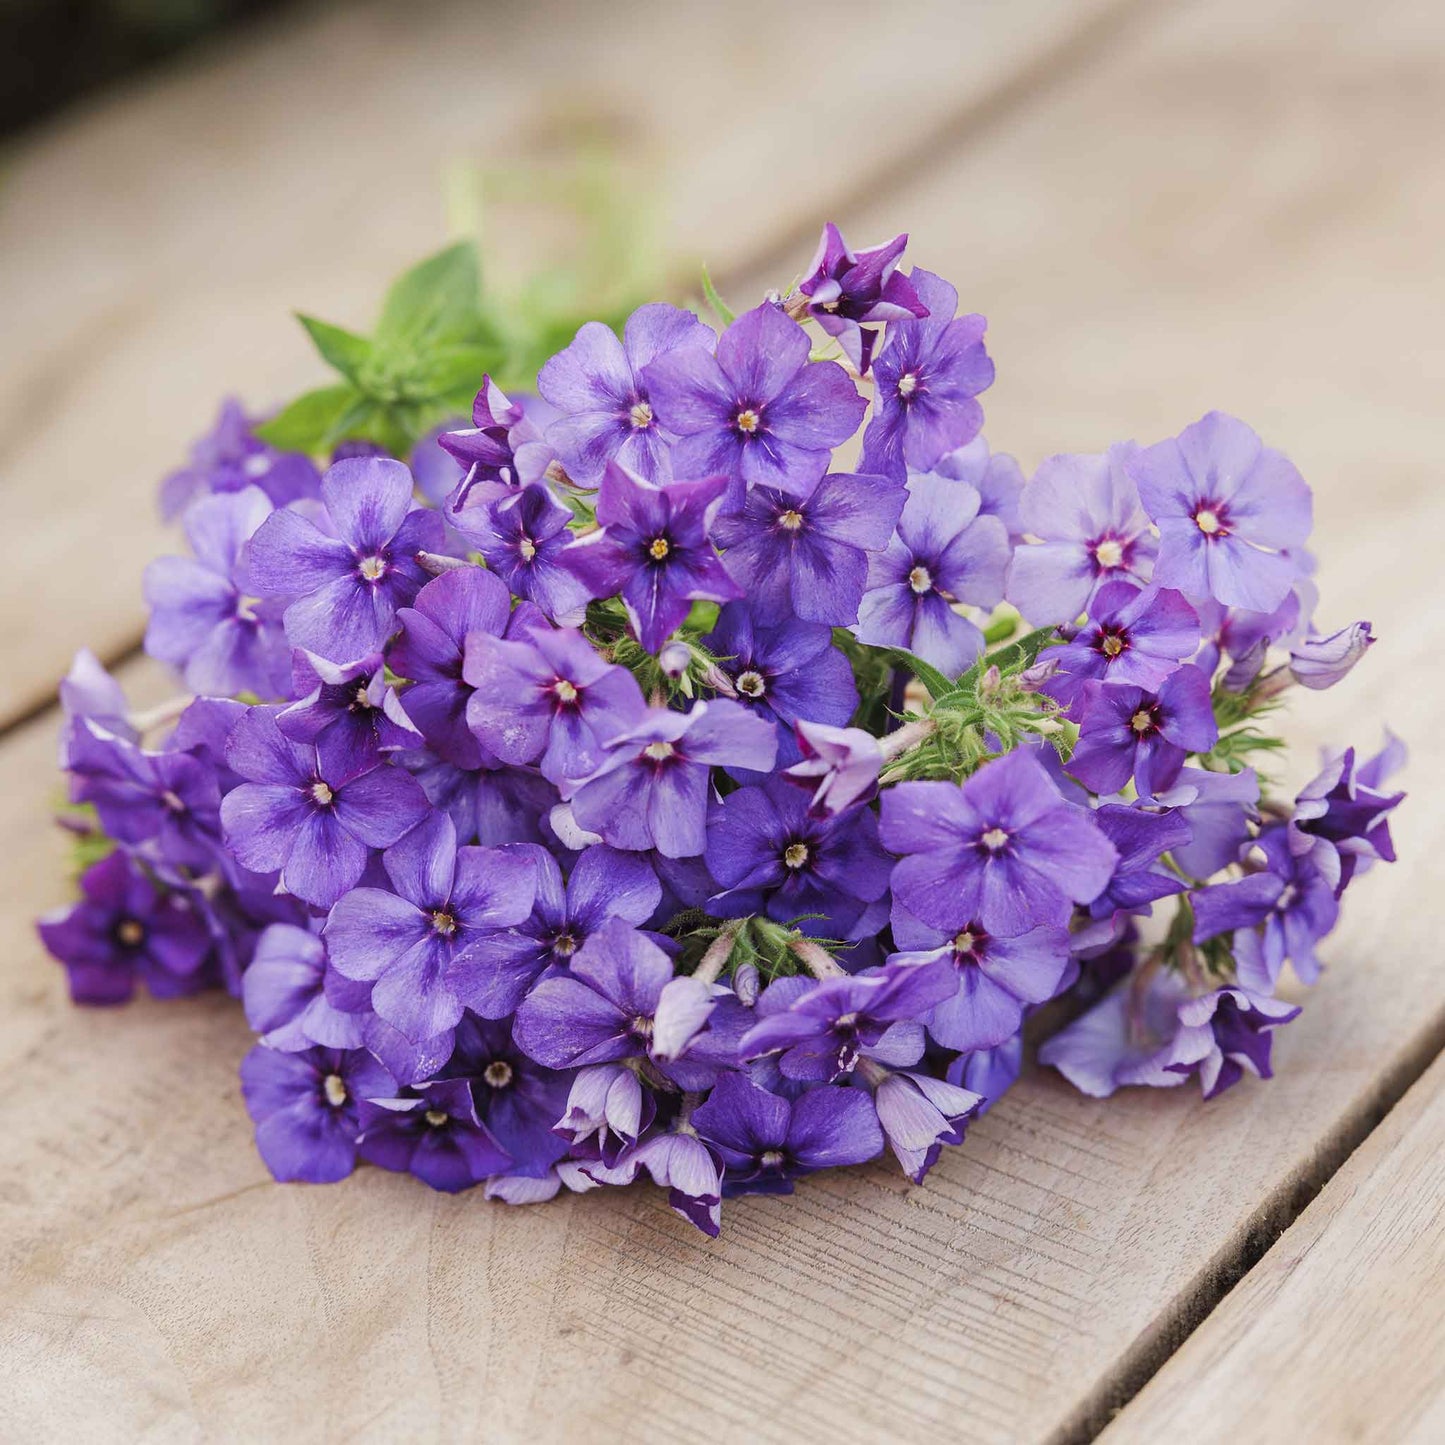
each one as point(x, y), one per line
point(1338, 1334)
point(152, 1279)
point(156, 245)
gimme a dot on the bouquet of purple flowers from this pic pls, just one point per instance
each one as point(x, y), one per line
point(624, 783)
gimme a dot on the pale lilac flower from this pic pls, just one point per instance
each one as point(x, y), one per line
point(840, 766)
point(1321, 662)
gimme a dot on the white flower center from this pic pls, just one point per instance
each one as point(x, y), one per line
point(527, 547)
point(659, 752)
point(373, 569)
point(435, 1117)
point(1207, 520)
point(322, 795)
point(791, 520)
point(443, 923)
point(771, 1158)
point(130, 933)
point(640, 416)
point(752, 684)
point(994, 839)
point(566, 691)
point(1142, 720)
point(920, 580)
point(748, 421)
point(498, 1073)
point(907, 384)
point(1109, 553)
point(334, 1088)
point(658, 548)
point(795, 855)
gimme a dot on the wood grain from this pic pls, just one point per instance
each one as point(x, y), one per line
point(1338, 1334)
point(155, 247)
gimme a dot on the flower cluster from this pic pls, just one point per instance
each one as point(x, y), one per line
point(620, 788)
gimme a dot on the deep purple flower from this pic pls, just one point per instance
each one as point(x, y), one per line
point(430, 651)
point(300, 814)
point(995, 476)
point(433, 1132)
point(1003, 850)
point(285, 993)
point(1228, 510)
point(522, 537)
point(502, 449)
point(517, 1100)
point(651, 789)
point(597, 385)
point(839, 765)
point(492, 806)
point(1243, 1025)
point(990, 1073)
point(1291, 903)
point(548, 698)
point(351, 707)
point(653, 550)
point(347, 584)
point(1128, 732)
point(231, 456)
point(202, 620)
point(414, 942)
point(783, 669)
point(927, 378)
point(771, 857)
point(758, 411)
point(1341, 817)
point(995, 980)
point(1140, 838)
point(1218, 808)
point(603, 884)
point(846, 287)
point(831, 1024)
point(1085, 511)
point(942, 553)
point(124, 928)
point(809, 555)
point(766, 1142)
point(306, 1107)
point(1321, 662)
point(919, 1114)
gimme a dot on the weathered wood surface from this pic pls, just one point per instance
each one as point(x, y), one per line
point(1338, 1334)
point(1240, 205)
point(153, 249)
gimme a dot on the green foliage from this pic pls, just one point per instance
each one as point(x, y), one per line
point(716, 304)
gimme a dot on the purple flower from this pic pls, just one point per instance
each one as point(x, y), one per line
point(766, 1142)
point(492, 806)
point(1291, 903)
point(771, 857)
point(202, 621)
point(783, 669)
point(1244, 638)
point(89, 691)
point(306, 1107)
point(286, 996)
point(548, 698)
point(758, 411)
point(433, 1132)
point(1228, 510)
point(604, 884)
point(809, 555)
point(299, 814)
point(832, 1023)
point(430, 649)
point(1217, 808)
point(995, 476)
point(1341, 817)
point(597, 384)
point(989, 1072)
point(414, 942)
point(942, 553)
point(927, 377)
point(125, 927)
point(919, 1114)
point(1140, 838)
point(651, 789)
point(846, 287)
point(522, 538)
point(1003, 850)
point(688, 1169)
point(608, 1104)
point(1085, 512)
point(1132, 636)
point(1321, 662)
point(503, 449)
point(840, 765)
point(653, 550)
point(350, 706)
point(231, 456)
point(995, 980)
point(347, 586)
point(1242, 1024)
point(1128, 733)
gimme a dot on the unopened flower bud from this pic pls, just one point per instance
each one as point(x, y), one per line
point(1321, 662)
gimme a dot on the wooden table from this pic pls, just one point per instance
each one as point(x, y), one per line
point(1162, 208)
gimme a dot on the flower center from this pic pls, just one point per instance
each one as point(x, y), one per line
point(659, 752)
point(334, 1087)
point(246, 608)
point(1111, 644)
point(435, 1117)
point(1209, 521)
point(658, 548)
point(964, 943)
point(795, 855)
point(564, 946)
point(498, 1074)
point(1142, 721)
point(443, 923)
point(752, 684)
point(920, 580)
point(129, 933)
point(173, 801)
point(907, 384)
point(361, 699)
point(791, 520)
point(1109, 553)
point(995, 839)
point(565, 691)
point(771, 1158)
point(527, 547)
point(1286, 899)
point(640, 416)
point(640, 1027)
point(748, 421)
point(373, 569)
point(321, 794)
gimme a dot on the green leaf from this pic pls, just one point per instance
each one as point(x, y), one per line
point(435, 302)
point(937, 684)
point(719, 307)
point(451, 370)
point(311, 420)
point(345, 350)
